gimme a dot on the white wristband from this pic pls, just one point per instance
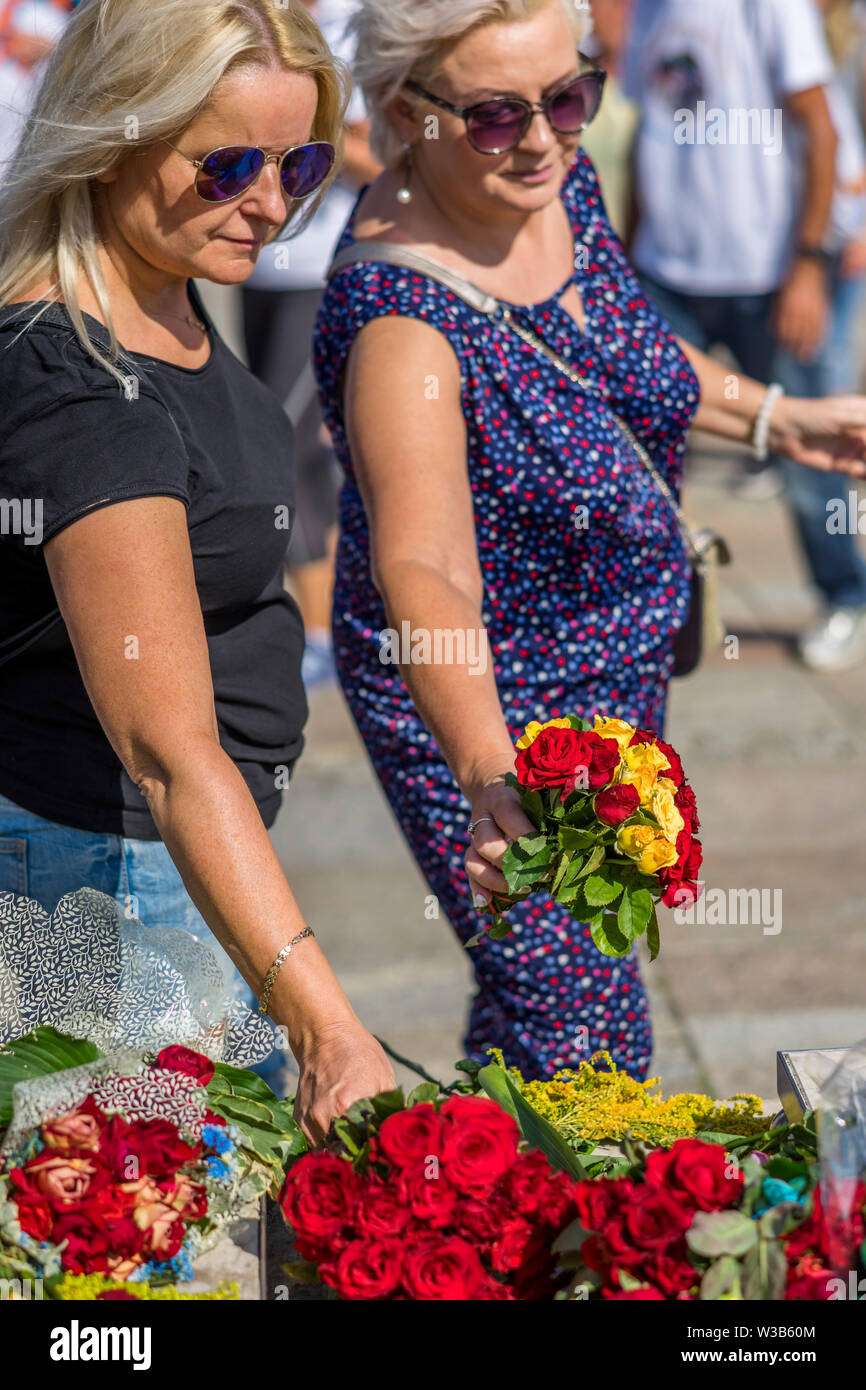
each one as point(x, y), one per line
point(761, 432)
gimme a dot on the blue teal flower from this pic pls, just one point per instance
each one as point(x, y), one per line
point(776, 1191)
point(216, 1168)
point(215, 1137)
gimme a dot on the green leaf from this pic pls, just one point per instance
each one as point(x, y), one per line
point(540, 1134)
point(715, 1233)
point(494, 1079)
point(528, 846)
point(607, 936)
point(38, 1054)
point(592, 863)
point(720, 1279)
point(570, 1239)
point(634, 913)
point(426, 1093)
point(765, 1271)
point(562, 868)
point(572, 838)
point(600, 890)
point(653, 939)
point(533, 806)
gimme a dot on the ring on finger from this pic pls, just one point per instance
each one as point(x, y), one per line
point(475, 824)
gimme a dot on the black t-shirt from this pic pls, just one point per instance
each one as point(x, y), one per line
point(71, 441)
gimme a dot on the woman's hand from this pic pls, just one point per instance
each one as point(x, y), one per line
point(338, 1066)
point(827, 434)
point(497, 808)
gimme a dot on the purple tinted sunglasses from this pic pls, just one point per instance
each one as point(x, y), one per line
point(228, 172)
point(498, 124)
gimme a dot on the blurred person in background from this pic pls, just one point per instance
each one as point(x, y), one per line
point(609, 141)
point(29, 30)
point(736, 187)
point(280, 303)
point(837, 640)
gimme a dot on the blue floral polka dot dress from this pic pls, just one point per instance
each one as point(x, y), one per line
point(585, 583)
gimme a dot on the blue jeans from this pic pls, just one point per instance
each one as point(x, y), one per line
point(743, 324)
point(44, 860)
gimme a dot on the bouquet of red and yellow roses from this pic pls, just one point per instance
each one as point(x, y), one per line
point(616, 822)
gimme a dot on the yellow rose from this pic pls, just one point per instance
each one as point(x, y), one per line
point(641, 755)
point(633, 840)
point(643, 779)
point(533, 729)
point(657, 856)
point(643, 763)
point(615, 728)
point(664, 810)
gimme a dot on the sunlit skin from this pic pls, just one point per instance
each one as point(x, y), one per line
point(158, 233)
point(502, 209)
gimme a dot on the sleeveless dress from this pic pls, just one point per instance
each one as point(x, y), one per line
point(586, 582)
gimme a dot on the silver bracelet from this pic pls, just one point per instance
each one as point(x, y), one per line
point(277, 966)
point(761, 432)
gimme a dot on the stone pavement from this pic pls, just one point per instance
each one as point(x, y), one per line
point(776, 757)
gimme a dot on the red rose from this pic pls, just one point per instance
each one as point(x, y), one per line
point(809, 1281)
point(151, 1147)
point(653, 1220)
point(318, 1199)
point(94, 1246)
point(60, 1180)
point(430, 1200)
point(671, 1272)
point(480, 1143)
point(79, 1130)
point(444, 1270)
point(696, 1172)
point(187, 1062)
point(478, 1222)
point(511, 1248)
point(679, 880)
point(381, 1212)
point(527, 1184)
point(365, 1269)
point(411, 1135)
point(564, 757)
point(600, 1199)
point(613, 805)
point(688, 807)
point(116, 1295)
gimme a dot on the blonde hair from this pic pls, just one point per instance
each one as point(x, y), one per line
point(399, 39)
point(127, 74)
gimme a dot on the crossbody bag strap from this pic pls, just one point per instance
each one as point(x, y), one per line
point(499, 313)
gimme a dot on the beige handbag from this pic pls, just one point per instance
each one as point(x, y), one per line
point(704, 630)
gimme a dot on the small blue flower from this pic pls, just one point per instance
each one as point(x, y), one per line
point(216, 1138)
point(776, 1191)
point(217, 1169)
point(181, 1266)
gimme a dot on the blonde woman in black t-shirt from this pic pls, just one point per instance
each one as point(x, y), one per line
point(150, 698)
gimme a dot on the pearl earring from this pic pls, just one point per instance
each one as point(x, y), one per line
point(404, 194)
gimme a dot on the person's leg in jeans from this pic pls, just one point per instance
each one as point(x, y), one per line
point(835, 563)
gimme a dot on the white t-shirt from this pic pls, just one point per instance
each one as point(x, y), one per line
point(719, 161)
point(309, 254)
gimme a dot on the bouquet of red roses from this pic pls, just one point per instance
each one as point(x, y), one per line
point(616, 823)
point(114, 1186)
point(433, 1203)
point(690, 1222)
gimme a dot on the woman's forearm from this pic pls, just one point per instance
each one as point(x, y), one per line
point(456, 698)
point(212, 828)
point(730, 401)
